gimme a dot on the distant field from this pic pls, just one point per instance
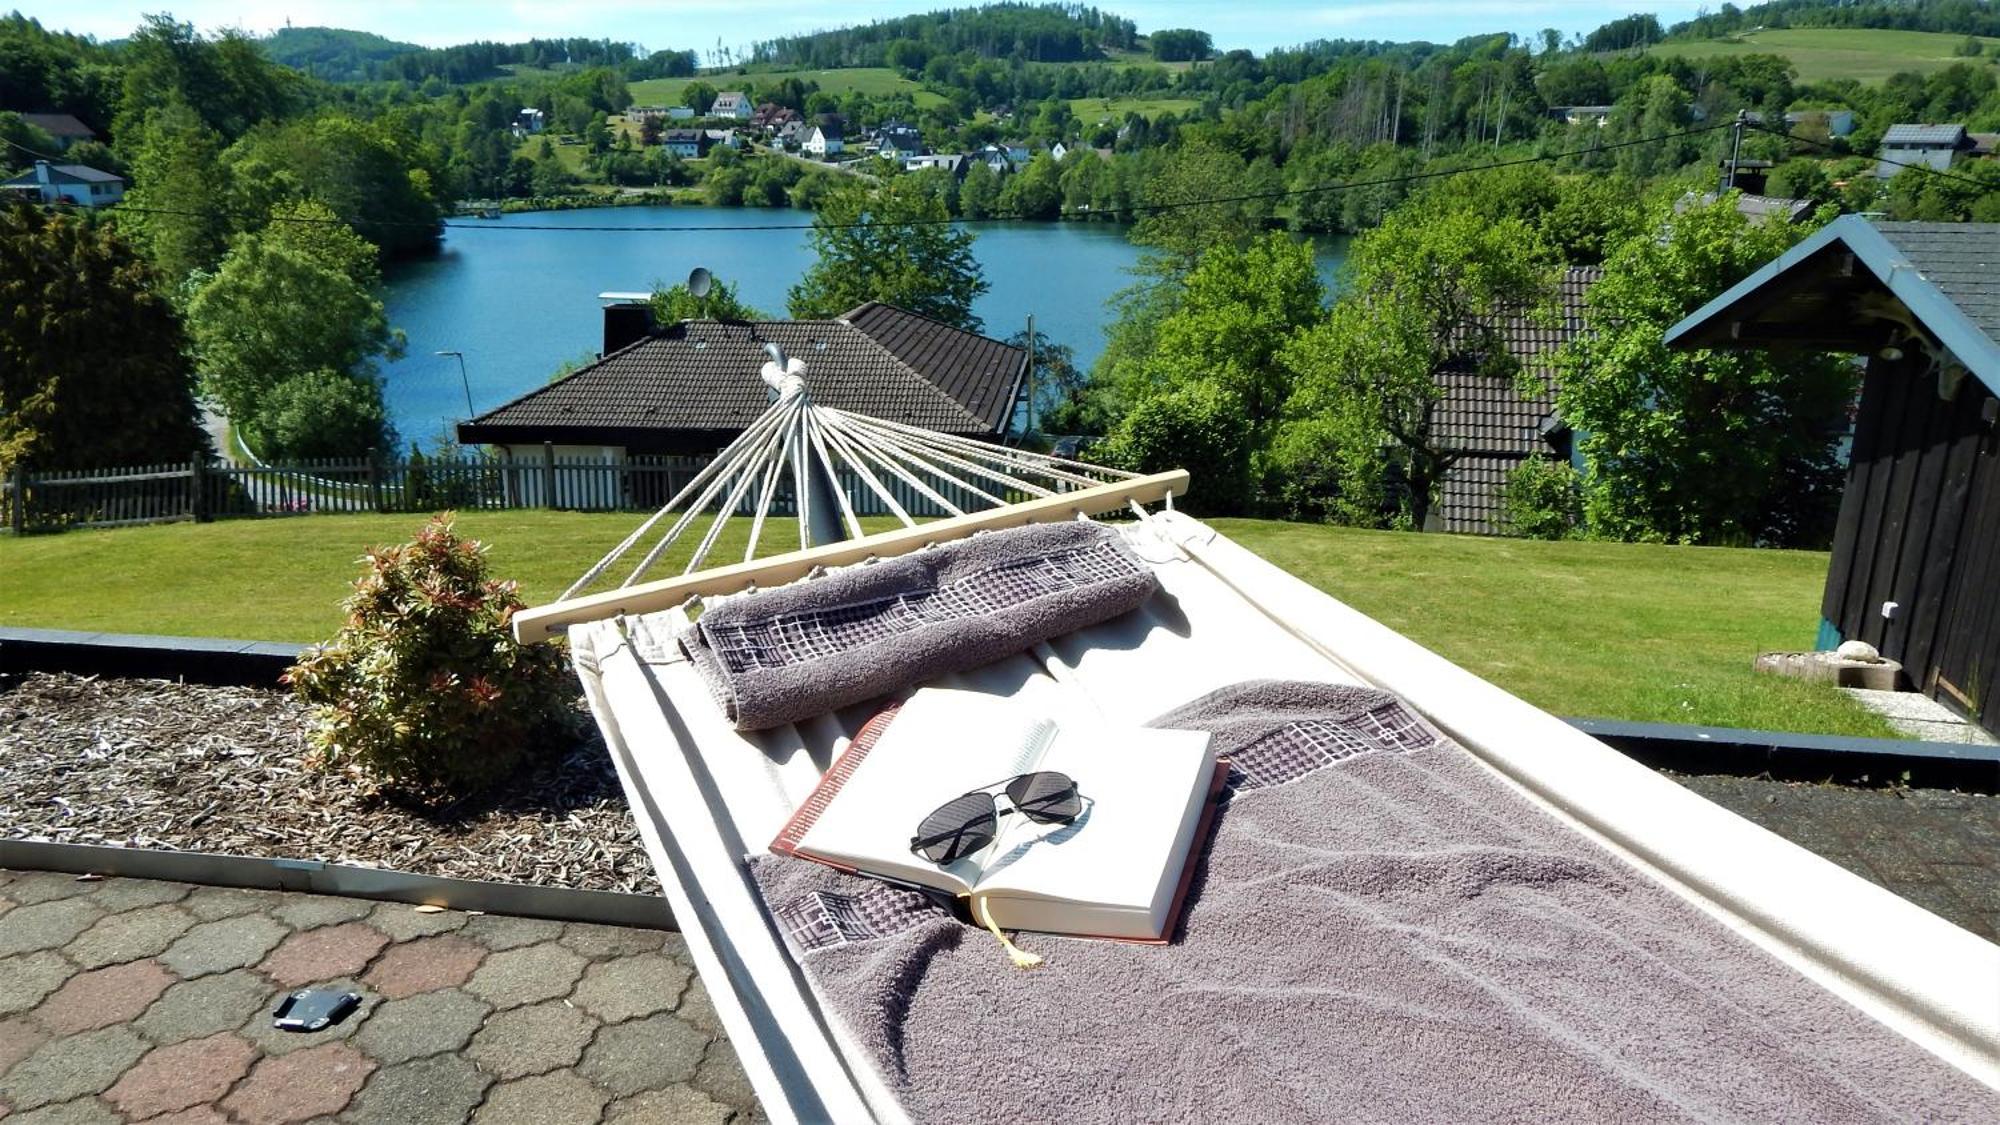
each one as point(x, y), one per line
point(870, 80)
point(1092, 110)
point(1824, 53)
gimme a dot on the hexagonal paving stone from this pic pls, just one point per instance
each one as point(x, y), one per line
point(677, 1104)
point(211, 903)
point(417, 1026)
point(532, 1040)
point(181, 1076)
point(498, 932)
point(552, 1099)
point(441, 1090)
point(66, 1069)
point(322, 954)
point(311, 1083)
point(27, 980)
point(258, 1028)
point(612, 941)
point(643, 1055)
point(145, 932)
point(46, 925)
point(222, 945)
point(195, 1008)
point(102, 997)
point(524, 976)
point(129, 894)
point(310, 912)
point(426, 964)
point(83, 1111)
point(402, 921)
point(631, 986)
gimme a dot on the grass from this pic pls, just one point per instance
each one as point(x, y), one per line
point(873, 81)
point(1598, 629)
point(1820, 54)
point(1090, 111)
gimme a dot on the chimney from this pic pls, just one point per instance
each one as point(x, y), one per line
point(42, 172)
point(628, 318)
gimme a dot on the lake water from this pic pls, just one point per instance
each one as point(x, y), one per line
point(521, 302)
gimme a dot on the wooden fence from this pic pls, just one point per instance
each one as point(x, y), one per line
point(38, 500)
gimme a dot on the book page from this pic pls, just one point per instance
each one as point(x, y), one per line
point(943, 743)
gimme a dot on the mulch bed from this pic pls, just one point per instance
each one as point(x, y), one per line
point(155, 764)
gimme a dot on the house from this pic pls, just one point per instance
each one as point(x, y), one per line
point(1002, 158)
point(1836, 122)
point(688, 144)
point(690, 388)
point(954, 162)
point(731, 103)
point(1058, 150)
point(898, 141)
point(1916, 550)
point(824, 140)
point(680, 113)
point(1581, 114)
point(723, 137)
point(529, 122)
point(1483, 421)
point(640, 114)
point(1751, 206)
point(1929, 146)
point(790, 134)
point(771, 117)
point(66, 183)
point(66, 129)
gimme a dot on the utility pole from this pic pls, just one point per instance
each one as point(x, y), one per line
point(1031, 377)
point(1735, 149)
point(463, 381)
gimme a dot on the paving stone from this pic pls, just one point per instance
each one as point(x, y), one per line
point(612, 941)
point(680, 1105)
point(498, 932)
point(27, 980)
point(410, 1028)
point(526, 975)
point(102, 997)
point(441, 1090)
point(315, 1082)
point(66, 1069)
point(445, 961)
point(309, 912)
point(181, 1076)
point(18, 1039)
point(210, 903)
point(196, 1008)
point(30, 887)
point(552, 1099)
point(145, 932)
point(199, 1115)
point(721, 1076)
point(46, 925)
point(129, 894)
point(402, 921)
point(697, 1009)
point(532, 1040)
point(631, 986)
point(7, 904)
point(643, 1054)
point(222, 945)
point(82, 1111)
point(258, 1028)
point(322, 954)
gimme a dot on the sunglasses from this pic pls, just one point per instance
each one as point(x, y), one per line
point(965, 824)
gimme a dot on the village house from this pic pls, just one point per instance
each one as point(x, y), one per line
point(688, 144)
point(1581, 114)
point(65, 128)
point(824, 140)
point(770, 117)
point(729, 137)
point(1927, 146)
point(1058, 150)
point(731, 103)
point(66, 183)
point(790, 134)
point(898, 141)
point(954, 162)
point(529, 122)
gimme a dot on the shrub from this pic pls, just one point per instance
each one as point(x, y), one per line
point(1542, 499)
point(424, 688)
point(322, 414)
point(1199, 428)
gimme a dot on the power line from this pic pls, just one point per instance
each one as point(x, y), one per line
point(1879, 159)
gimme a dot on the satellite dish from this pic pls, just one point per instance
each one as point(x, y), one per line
point(699, 282)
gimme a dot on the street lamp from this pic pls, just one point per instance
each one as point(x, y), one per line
point(463, 381)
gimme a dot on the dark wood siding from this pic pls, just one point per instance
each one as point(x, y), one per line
point(1920, 526)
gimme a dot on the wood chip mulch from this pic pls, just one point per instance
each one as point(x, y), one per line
point(154, 764)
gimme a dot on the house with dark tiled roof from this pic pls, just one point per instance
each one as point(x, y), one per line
point(689, 388)
point(1488, 425)
point(66, 183)
point(65, 128)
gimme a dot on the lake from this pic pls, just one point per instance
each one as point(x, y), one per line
point(520, 301)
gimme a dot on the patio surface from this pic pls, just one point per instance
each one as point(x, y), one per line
point(135, 1000)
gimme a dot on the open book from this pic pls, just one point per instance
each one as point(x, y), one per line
point(1116, 870)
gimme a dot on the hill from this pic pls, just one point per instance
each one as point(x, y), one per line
point(1824, 53)
point(1012, 31)
point(335, 54)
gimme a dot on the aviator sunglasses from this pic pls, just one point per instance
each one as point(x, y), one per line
point(967, 823)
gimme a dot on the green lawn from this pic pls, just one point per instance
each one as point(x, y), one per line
point(871, 80)
point(1824, 53)
point(1090, 111)
point(1631, 632)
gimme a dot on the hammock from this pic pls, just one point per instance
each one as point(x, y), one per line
point(706, 795)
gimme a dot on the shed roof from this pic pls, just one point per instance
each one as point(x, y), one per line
point(701, 375)
point(1828, 292)
point(59, 125)
point(1924, 135)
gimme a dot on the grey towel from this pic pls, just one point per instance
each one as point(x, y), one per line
point(778, 656)
point(1383, 932)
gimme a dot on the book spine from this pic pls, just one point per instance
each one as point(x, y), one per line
point(822, 795)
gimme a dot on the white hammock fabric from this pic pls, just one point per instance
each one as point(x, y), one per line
point(705, 796)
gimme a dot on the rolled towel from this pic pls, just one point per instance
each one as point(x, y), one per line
point(777, 656)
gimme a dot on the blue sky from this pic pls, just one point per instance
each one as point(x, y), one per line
point(700, 23)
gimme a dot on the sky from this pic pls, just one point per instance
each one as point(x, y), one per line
point(678, 24)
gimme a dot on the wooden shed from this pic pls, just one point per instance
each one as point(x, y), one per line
point(1916, 554)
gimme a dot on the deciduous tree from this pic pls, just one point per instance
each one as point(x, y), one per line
point(890, 243)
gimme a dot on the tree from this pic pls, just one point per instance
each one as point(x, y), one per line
point(677, 303)
point(1035, 192)
point(1182, 44)
point(1700, 446)
point(1198, 427)
point(176, 209)
point(698, 96)
point(892, 244)
point(364, 170)
point(93, 366)
point(1425, 291)
point(321, 414)
point(979, 194)
point(1173, 222)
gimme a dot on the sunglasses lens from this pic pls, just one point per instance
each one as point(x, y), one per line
point(1045, 798)
point(957, 829)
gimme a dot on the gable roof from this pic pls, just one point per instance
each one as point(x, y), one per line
point(74, 173)
point(1826, 293)
point(701, 375)
point(1924, 135)
point(59, 125)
